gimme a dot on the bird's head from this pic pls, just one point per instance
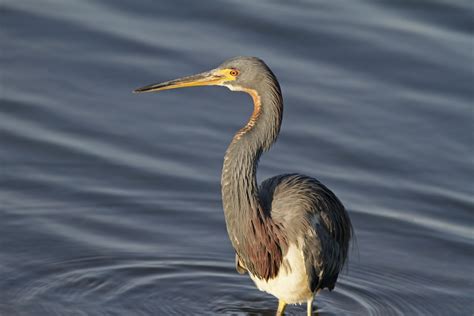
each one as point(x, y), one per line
point(237, 74)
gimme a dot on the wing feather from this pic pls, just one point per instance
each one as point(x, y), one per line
point(310, 213)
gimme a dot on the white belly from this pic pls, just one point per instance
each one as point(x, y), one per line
point(291, 283)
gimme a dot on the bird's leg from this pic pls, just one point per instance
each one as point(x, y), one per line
point(310, 307)
point(281, 307)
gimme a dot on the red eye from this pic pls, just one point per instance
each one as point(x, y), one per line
point(234, 72)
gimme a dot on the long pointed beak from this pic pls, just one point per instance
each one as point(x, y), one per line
point(208, 78)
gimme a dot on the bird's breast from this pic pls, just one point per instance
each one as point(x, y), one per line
point(291, 283)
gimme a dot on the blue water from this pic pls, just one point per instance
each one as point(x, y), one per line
point(110, 201)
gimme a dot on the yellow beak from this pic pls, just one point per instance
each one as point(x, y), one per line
point(208, 78)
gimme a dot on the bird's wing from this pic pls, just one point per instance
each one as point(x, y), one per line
point(311, 215)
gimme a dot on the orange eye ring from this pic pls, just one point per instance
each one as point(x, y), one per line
point(234, 72)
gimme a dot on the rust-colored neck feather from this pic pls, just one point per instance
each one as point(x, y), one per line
point(255, 237)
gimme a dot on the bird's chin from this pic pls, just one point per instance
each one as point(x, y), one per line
point(232, 87)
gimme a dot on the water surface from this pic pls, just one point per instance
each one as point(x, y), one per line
point(110, 202)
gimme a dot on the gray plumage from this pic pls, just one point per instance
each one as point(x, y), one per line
point(286, 207)
point(305, 207)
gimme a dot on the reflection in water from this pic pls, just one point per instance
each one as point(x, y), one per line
point(111, 205)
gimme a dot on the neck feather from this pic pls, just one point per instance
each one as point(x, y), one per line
point(249, 226)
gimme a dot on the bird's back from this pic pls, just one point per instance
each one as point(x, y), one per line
point(313, 218)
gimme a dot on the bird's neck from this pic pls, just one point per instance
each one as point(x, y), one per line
point(239, 174)
point(247, 222)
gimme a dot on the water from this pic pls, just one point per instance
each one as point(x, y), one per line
point(110, 202)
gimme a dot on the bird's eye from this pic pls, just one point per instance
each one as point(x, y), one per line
point(234, 72)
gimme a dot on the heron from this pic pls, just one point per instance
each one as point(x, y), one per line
point(290, 234)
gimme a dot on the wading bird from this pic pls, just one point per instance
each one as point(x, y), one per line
point(292, 233)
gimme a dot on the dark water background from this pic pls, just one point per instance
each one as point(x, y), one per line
point(110, 202)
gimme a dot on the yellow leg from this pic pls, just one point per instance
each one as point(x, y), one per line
point(281, 307)
point(310, 307)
